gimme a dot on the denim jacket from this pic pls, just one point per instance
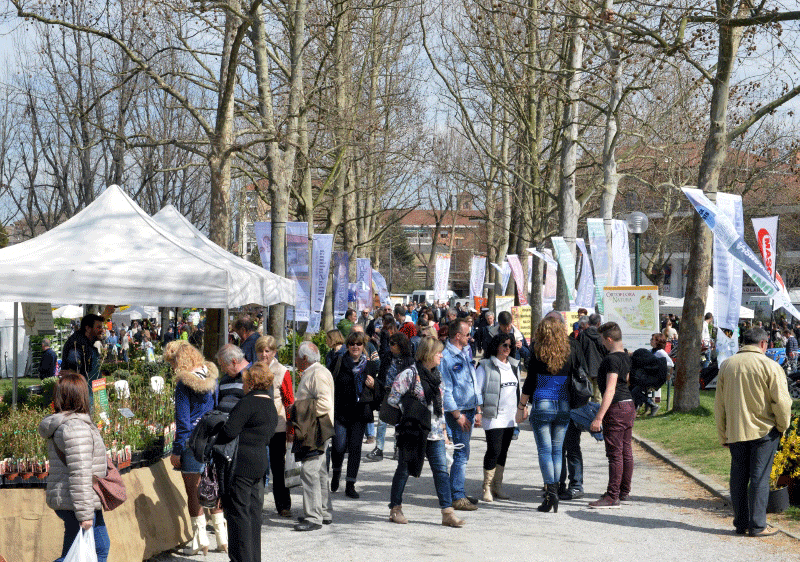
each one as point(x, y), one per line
point(461, 390)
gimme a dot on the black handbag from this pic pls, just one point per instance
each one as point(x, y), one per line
point(208, 488)
point(580, 388)
point(389, 414)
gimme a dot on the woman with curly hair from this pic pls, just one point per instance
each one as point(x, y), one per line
point(195, 394)
point(547, 386)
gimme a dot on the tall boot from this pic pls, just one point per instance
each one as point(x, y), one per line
point(497, 483)
point(550, 498)
point(200, 539)
point(449, 518)
point(335, 476)
point(487, 484)
point(220, 530)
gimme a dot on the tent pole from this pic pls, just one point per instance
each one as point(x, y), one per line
point(223, 333)
point(15, 359)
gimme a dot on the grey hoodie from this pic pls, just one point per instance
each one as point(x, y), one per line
point(70, 487)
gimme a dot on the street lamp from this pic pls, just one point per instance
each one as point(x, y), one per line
point(637, 224)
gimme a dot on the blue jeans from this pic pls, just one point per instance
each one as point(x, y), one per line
point(71, 527)
point(549, 420)
point(370, 431)
point(460, 456)
point(347, 439)
point(380, 435)
point(437, 459)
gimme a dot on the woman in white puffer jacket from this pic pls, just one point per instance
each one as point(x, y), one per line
point(69, 485)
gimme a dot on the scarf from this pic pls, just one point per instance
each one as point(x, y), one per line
point(358, 371)
point(431, 380)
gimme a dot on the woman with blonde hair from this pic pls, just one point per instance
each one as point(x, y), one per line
point(252, 420)
point(266, 348)
point(195, 394)
point(547, 386)
point(334, 340)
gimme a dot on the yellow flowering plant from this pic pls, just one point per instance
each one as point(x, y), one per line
point(787, 459)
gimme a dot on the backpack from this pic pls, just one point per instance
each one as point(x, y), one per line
point(647, 370)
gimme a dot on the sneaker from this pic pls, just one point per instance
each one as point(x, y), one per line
point(605, 502)
point(768, 531)
point(463, 504)
point(369, 441)
point(623, 497)
point(472, 500)
point(375, 455)
point(570, 494)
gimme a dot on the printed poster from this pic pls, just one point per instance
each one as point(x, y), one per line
point(635, 309)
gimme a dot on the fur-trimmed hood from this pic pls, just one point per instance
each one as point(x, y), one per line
point(200, 379)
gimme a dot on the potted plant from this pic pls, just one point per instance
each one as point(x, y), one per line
point(785, 470)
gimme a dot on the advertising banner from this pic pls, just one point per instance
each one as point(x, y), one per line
point(586, 292)
point(505, 275)
point(521, 318)
point(724, 229)
point(477, 276)
point(364, 283)
point(566, 262)
point(263, 233)
point(297, 268)
point(321, 249)
point(599, 250)
point(621, 254)
point(441, 277)
point(550, 281)
point(381, 287)
point(727, 271)
point(340, 284)
point(635, 309)
point(519, 277)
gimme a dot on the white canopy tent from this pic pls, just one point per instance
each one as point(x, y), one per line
point(72, 264)
point(673, 305)
point(7, 333)
point(263, 287)
point(124, 315)
point(68, 311)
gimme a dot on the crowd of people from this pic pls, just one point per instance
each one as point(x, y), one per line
point(437, 373)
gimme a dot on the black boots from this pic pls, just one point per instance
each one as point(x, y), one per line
point(550, 499)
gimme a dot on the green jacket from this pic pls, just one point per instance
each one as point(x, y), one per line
point(752, 397)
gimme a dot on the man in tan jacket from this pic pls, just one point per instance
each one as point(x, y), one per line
point(313, 421)
point(752, 410)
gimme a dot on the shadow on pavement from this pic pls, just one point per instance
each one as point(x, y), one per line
point(620, 518)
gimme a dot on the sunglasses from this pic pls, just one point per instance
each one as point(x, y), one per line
point(355, 344)
point(506, 345)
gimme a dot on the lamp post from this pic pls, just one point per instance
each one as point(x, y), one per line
point(637, 224)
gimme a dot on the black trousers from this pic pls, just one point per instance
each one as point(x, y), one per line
point(751, 463)
point(242, 507)
point(277, 465)
point(572, 463)
point(497, 443)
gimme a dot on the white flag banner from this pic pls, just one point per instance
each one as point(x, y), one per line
point(297, 267)
point(586, 292)
point(530, 273)
point(726, 347)
point(364, 283)
point(550, 281)
point(599, 250)
point(767, 235)
point(545, 256)
point(519, 277)
point(505, 274)
point(263, 233)
point(725, 230)
point(321, 250)
point(441, 277)
point(381, 286)
point(477, 276)
point(566, 261)
point(340, 284)
point(727, 271)
point(620, 250)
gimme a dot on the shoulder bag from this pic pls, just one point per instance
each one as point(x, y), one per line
point(392, 415)
point(580, 388)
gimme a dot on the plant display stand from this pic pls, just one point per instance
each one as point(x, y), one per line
point(155, 518)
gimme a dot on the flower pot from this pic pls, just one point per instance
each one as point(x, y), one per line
point(794, 491)
point(778, 500)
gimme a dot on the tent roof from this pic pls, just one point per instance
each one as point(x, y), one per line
point(255, 284)
point(113, 252)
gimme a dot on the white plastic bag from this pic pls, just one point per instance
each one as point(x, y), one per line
point(82, 549)
point(291, 470)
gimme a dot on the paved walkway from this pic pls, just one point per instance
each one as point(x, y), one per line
point(669, 517)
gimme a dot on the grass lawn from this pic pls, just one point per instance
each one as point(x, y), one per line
point(691, 436)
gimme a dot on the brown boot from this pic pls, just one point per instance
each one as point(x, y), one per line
point(396, 515)
point(449, 518)
point(488, 475)
point(497, 483)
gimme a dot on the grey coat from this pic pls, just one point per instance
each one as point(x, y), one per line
point(491, 385)
point(70, 487)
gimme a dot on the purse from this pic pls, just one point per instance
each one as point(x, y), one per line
point(208, 489)
point(580, 388)
point(391, 415)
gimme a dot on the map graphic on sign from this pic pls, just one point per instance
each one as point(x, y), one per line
point(635, 309)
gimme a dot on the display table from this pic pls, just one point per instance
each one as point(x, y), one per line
point(154, 518)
